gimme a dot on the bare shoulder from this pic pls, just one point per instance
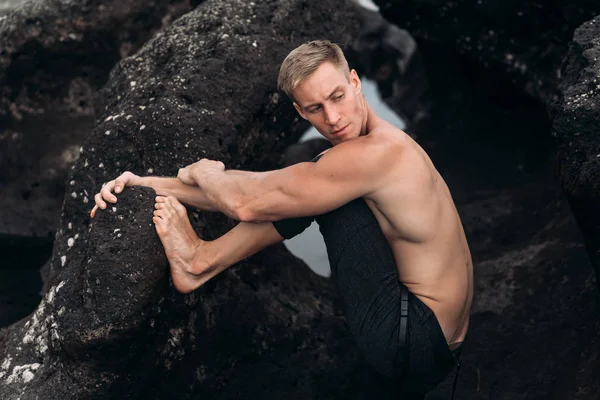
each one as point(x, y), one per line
point(373, 149)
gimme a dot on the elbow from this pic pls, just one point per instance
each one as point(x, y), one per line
point(244, 215)
point(250, 211)
point(240, 210)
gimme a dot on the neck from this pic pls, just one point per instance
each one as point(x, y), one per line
point(370, 118)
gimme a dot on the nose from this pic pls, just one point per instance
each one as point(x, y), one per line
point(332, 116)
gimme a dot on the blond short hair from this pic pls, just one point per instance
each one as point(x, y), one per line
point(301, 62)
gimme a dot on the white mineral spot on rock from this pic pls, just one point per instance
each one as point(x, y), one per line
point(225, 36)
point(70, 225)
point(108, 118)
point(101, 165)
point(86, 163)
point(254, 44)
point(150, 170)
point(63, 261)
point(85, 200)
point(61, 311)
point(118, 235)
point(6, 363)
point(114, 209)
point(107, 133)
point(27, 376)
point(72, 182)
point(70, 242)
point(50, 295)
point(132, 83)
point(116, 230)
point(74, 195)
point(129, 116)
point(142, 127)
point(142, 108)
point(22, 373)
point(60, 285)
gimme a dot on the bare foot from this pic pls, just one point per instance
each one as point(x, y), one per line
point(189, 270)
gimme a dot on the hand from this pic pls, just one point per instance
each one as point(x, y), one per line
point(125, 179)
point(190, 174)
point(185, 176)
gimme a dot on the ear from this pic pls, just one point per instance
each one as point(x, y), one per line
point(299, 109)
point(355, 80)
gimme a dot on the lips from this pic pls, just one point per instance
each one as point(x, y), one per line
point(340, 130)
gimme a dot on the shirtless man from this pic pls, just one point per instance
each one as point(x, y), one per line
point(386, 214)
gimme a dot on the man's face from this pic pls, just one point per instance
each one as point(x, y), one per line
point(332, 103)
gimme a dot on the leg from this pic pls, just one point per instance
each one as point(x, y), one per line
point(366, 279)
point(194, 261)
point(364, 271)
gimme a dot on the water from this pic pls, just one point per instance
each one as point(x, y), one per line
point(309, 245)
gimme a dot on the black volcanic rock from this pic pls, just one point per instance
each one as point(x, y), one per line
point(577, 128)
point(524, 40)
point(54, 57)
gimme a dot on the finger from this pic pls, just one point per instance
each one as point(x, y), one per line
point(93, 212)
point(107, 192)
point(122, 181)
point(99, 202)
point(158, 206)
point(160, 199)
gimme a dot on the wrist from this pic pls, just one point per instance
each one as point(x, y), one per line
point(147, 181)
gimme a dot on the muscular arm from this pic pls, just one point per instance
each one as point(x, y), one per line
point(187, 194)
point(346, 172)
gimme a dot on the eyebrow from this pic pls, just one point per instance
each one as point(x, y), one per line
point(337, 89)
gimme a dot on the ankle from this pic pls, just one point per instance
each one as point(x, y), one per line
point(204, 258)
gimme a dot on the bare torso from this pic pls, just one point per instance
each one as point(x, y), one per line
point(416, 213)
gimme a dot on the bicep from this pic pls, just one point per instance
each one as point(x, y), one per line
point(316, 188)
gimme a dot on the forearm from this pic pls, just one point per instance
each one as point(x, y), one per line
point(187, 194)
point(228, 190)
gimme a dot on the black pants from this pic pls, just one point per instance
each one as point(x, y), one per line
point(366, 278)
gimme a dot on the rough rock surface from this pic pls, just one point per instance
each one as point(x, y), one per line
point(525, 41)
point(110, 326)
point(45, 43)
point(577, 125)
point(54, 56)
